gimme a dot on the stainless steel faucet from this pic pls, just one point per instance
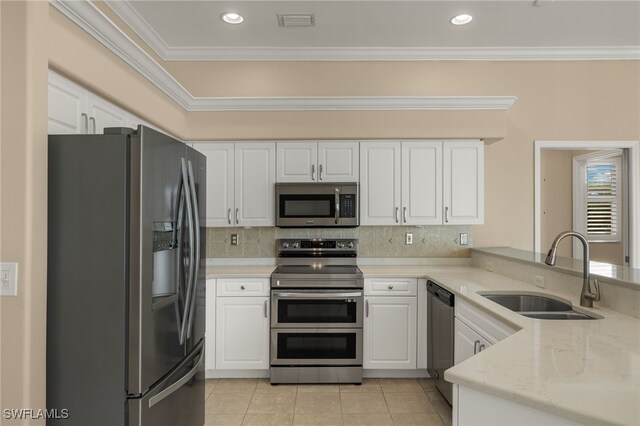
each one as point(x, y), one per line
point(586, 296)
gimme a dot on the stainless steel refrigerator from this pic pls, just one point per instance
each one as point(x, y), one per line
point(126, 279)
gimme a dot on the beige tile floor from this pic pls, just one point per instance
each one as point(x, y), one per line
point(375, 402)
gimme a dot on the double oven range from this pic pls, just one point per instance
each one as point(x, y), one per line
point(316, 312)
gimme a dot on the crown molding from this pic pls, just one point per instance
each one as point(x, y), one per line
point(354, 103)
point(99, 26)
point(138, 24)
point(399, 54)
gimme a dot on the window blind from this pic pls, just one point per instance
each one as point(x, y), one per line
point(603, 200)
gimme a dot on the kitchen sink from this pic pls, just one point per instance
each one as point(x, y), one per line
point(538, 305)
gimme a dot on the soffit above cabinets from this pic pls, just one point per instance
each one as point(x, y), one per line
point(387, 29)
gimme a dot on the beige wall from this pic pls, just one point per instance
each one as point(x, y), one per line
point(24, 202)
point(592, 100)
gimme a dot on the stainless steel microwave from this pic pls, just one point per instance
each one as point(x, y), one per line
point(308, 205)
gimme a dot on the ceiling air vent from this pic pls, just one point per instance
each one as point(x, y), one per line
point(296, 20)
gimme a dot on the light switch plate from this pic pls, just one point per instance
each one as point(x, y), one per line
point(409, 239)
point(464, 239)
point(9, 279)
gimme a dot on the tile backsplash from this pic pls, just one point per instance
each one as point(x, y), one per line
point(374, 241)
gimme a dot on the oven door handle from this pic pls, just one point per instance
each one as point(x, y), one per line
point(331, 295)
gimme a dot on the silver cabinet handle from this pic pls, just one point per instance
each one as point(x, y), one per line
point(266, 313)
point(390, 286)
point(241, 287)
point(404, 214)
point(320, 171)
point(85, 120)
point(397, 217)
point(475, 346)
point(446, 215)
point(366, 308)
point(237, 216)
point(313, 172)
point(229, 216)
point(93, 120)
point(482, 347)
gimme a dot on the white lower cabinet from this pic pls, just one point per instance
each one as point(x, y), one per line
point(242, 333)
point(467, 342)
point(390, 332)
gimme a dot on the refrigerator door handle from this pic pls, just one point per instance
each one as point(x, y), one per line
point(178, 383)
point(196, 221)
point(187, 299)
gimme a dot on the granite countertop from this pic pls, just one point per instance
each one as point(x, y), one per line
point(586, 371)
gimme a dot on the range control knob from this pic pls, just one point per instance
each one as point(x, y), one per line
point(285, 245)
point(350, 244)
point(340, 245)
point(296, 244)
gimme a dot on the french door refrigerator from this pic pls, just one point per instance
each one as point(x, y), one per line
point(126, 281)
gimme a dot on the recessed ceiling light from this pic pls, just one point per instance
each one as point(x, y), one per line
point(461, 19)
point(231, 18)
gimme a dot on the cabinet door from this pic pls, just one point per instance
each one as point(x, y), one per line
point(242, 333)
point(104, 114)
point(380, 183)
point(66, 107)
point(220, 182)
point(467, 342)
point(422, 183)
point(338, 161)
point(210, 326)
point(297, 161)
point(255, 176)
point(463, 172)
point(390, 333)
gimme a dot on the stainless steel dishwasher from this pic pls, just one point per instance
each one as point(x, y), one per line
point(440, 303)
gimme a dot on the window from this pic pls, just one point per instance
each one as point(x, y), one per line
point(603, 199)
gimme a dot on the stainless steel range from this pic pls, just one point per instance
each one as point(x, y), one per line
point(316, 312)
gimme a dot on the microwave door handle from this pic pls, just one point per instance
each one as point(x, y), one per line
point(337, 206)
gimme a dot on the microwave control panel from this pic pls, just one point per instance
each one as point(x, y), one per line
point(347, 205)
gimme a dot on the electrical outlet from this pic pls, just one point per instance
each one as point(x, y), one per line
point(464, 239)
point(489, 266)
point(539, 281)
point(409, 239)
point(9, 279)
point(235, 239)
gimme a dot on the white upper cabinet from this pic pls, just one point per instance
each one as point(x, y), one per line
point(297, 161)
point(104, 114)
point(338, 161)
point(331, 161)
point(220, 182)
point(66, 107)
point(380, 183)
point(463, 170)
point(75, 110)
point(255, 178)
point(421, 182)
point(240, 183)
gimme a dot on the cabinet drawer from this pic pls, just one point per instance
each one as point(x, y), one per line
point(488, 326)
point(242, 287)
point(391, 286)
